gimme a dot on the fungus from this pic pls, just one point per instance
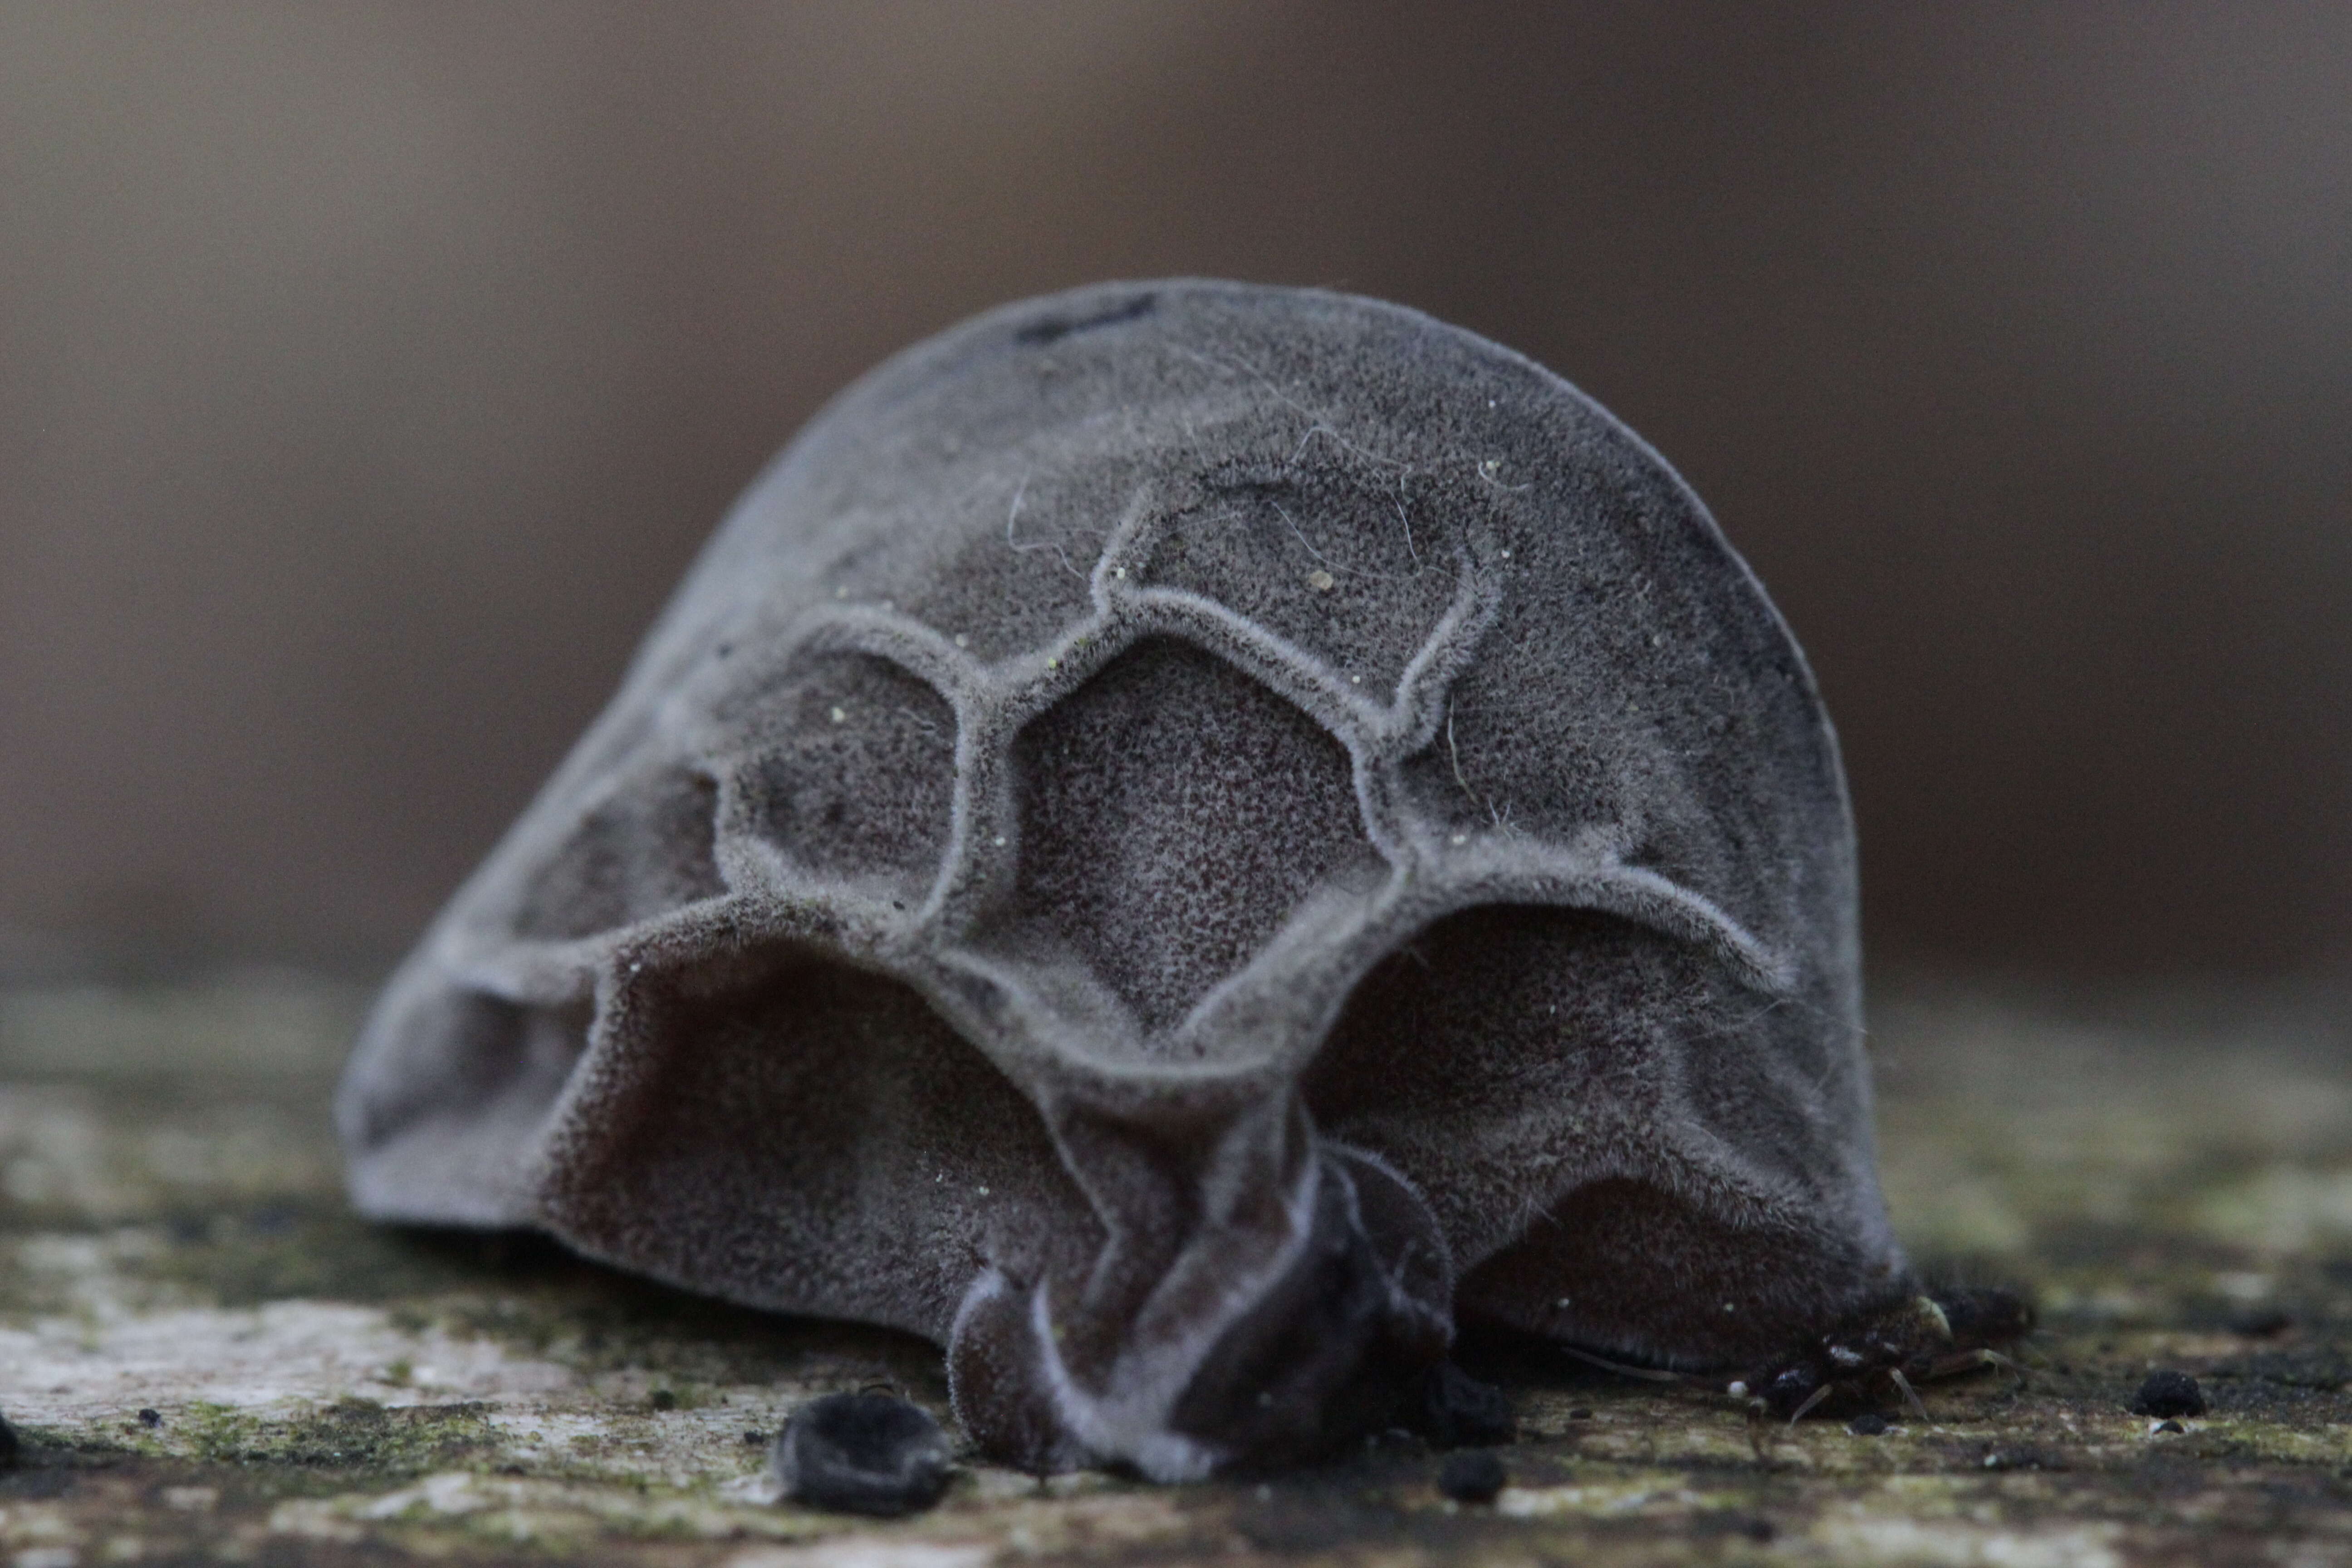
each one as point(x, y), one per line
point(1016, 897)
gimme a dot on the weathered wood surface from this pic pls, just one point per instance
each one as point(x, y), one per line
point(2176, 1192)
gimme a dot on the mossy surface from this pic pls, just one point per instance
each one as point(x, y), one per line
point(2177, 1193)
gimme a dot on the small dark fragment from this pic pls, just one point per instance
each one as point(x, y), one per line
point(755, 1436)
point(1579, 1414)
point(663, 1399)
point(1456, 1411)
point(2261, 1323)
point(150, 1418)
point(10, 1450)
point(2168, 1393)
point(1474, 1474)
point(862, 1453)
point(1869, 1424)
point(2172, 1426)
point(1053, 329)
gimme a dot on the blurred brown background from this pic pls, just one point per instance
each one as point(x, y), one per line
point(368, 374)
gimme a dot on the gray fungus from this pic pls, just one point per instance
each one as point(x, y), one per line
point(1182, 838)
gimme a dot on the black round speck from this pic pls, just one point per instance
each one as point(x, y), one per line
point(150, 1418)
point(2168, 1393)
point(755, 1436)
point(1869, 1424)
point(1474, 1474)
point(2172, 1426)
point(663, 1399)
point(862, 1453)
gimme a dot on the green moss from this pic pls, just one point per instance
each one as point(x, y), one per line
point(220, 1433)
point(354, 1434)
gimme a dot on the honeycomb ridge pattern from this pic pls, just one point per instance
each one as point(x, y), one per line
point(1431, 869)
point(1171, 1266)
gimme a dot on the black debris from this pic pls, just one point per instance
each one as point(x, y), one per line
point(1473, 1475)
point(1457, 1411)
point(862, 1453)
point(663, 1399)
point(1053, 329)
point(755, 1436)
point(1579, 1414)
point(150, 1418)
point(2173, 1426)
point(9, 1448)
point(2168, 1393)
point(2261, 1323)
point(1869, 1424)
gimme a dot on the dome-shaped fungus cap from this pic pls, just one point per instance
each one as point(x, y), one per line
point(1181, 835)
